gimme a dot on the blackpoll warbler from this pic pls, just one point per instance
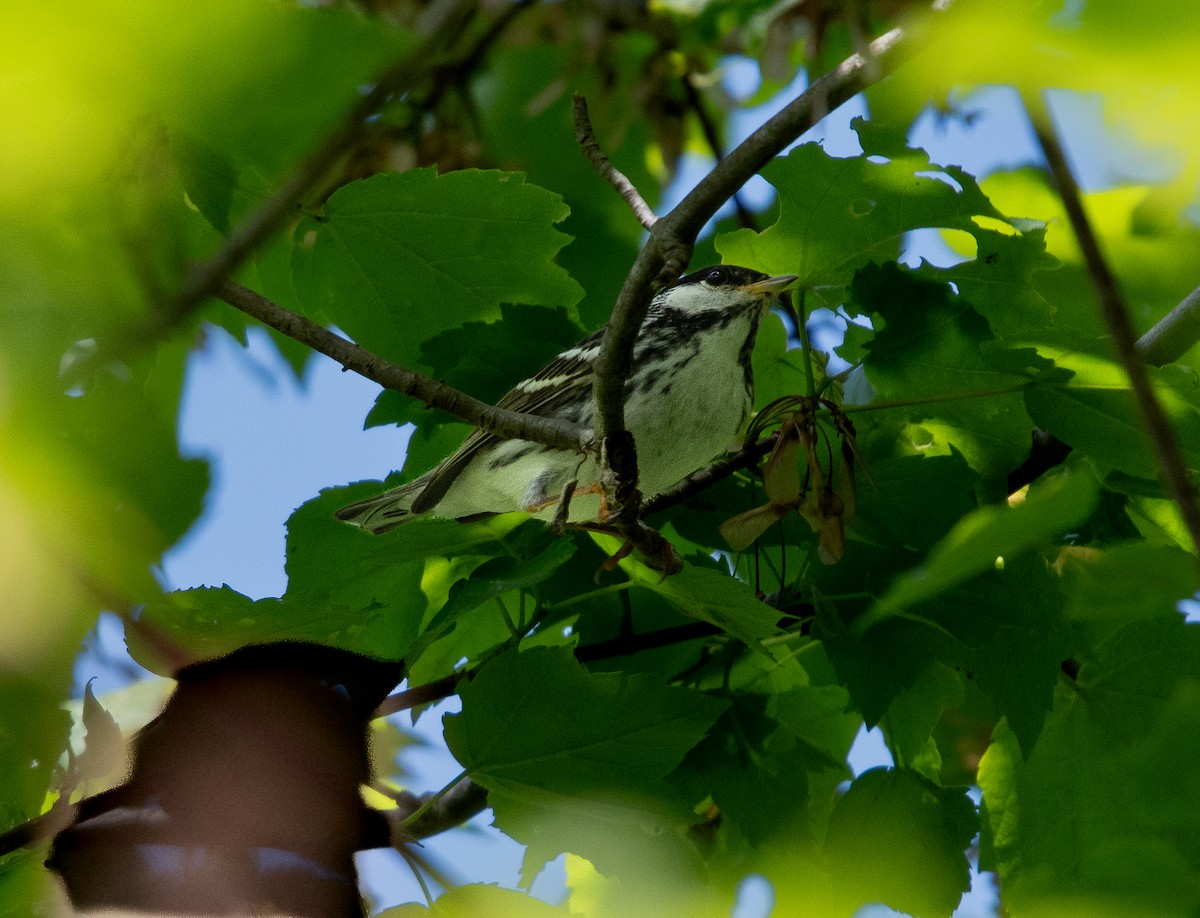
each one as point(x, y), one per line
point(686, 400)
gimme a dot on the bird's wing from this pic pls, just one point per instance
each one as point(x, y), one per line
point(540, 395)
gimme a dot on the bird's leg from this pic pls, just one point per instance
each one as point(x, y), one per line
point(559, 522)
point(569, 492)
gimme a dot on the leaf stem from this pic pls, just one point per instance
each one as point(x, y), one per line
point(508, 619)
point(432, 800)
point(805, 344)
point(591, 594)
point(934, 399)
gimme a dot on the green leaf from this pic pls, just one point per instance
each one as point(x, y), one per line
point(487, 359)
point(1101, 818)
point(988, 536)
point(1096, 413)
point(837, 215)
point(711, 596)
point(104, 747)
point(751, 768)
point(538, 722)
point(757, 760)
point(397, 258)
point(603, 229)
point(999, 281)
point(778, 370)
point(913, 714)
point(897, 838)
point(572, 758)
point(492, 580)
point(325, 554)
point(483, 359)
point(912, 501)
point(476, 899)
point(938, 357)
point(1127, 581)
point(131, 451)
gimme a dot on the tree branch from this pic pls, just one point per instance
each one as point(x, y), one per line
point(586, 138)
point(460, 803)
point(498, 421)
point(1116, 317)
point(671, 240)
point(708, 476)
point(1173, 335)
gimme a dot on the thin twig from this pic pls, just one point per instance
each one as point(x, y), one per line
point(669, 247)
point(465, 65)
point(437, 813)
point(499, 421)
point(708, 476)
point(586, 138)
point(1173, 335)
point(1116, 317)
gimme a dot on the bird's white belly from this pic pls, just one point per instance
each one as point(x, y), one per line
point(698, 420)
point(676, 432)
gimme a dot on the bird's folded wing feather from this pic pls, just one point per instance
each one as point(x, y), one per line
point(541, 395)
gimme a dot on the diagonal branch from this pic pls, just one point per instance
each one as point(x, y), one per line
point(669, 246)
point(1116, 317)
point(1173, 335)
point(498, 421)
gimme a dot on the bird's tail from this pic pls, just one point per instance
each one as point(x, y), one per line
point(385, 511)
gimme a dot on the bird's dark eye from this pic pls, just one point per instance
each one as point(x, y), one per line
point(717, 277)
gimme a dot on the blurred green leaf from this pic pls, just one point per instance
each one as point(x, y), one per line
point(897, 838)
point(1096, 413)
point(988, 536)
point(1127, 581)
point(472, 900)
point(1102, 818)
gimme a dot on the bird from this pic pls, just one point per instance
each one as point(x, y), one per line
point(686, 400)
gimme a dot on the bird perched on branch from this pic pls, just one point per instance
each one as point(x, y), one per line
point(690, 392)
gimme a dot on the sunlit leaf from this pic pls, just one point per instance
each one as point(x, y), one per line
point(389, 254)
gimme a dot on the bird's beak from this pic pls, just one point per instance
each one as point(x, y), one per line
point(771, 285)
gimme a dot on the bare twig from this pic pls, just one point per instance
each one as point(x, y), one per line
point(1170, 338)
point(1173, 335)
point(1116, 317)
point(451, 808)
point(669, 247)
point(586, 139)
point(499, 421)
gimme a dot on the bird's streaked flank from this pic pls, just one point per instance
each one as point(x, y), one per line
point(687, 399)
